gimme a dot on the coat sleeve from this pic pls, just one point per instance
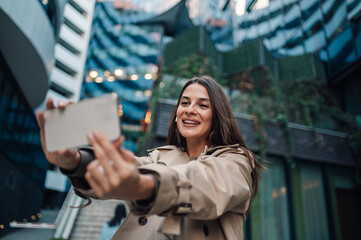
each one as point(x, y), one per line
point(203, 189)
point(76, 176)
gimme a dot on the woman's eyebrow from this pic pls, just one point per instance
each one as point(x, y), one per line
point(201, 99)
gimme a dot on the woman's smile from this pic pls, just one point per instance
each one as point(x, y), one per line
point(194, 114)
point(190, 122)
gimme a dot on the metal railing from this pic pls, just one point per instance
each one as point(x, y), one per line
point(67, 215)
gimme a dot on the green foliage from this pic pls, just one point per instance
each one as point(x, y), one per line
point(193, 65)
point(255, 91)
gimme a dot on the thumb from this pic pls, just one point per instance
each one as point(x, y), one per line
point(119, 142)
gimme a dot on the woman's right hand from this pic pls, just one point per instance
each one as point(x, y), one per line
point(66, 158)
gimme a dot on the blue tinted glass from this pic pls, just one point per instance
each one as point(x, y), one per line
point(16, 120)
point(357, 31)
point(5, 100)
point(334, 16)
point(308, 7)
point(341, 51)
point(293, 17)
point(315, 42)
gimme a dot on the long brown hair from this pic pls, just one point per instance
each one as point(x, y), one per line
point(224, 130)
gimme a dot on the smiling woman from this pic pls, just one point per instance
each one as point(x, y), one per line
point(199, 186)
point(195, 118)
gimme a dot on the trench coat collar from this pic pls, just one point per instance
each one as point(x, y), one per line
point(206, 151)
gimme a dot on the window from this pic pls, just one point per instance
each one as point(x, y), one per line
point(270, 211)
point(310, 205)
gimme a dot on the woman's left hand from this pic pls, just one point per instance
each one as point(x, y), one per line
point(114, 173)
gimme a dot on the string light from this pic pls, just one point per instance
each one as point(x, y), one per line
point(147, 118)
point(88, 79)
point(93, 74)
point(99, 80)
point(148, 93)
point(110, 78)
point(148, 76)
point(120, 110)
point(134, 77)
point(118, 72)
point(106, 73)
point(25, 220)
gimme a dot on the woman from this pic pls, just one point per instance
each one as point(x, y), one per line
point(199, 186)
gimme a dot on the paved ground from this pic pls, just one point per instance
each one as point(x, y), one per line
point(49, 216)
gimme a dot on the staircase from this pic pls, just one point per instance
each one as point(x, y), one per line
point(90, 219)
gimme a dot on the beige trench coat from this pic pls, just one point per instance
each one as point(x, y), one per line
point(205, 198)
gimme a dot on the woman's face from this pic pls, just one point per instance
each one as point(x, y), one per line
point(194, 114)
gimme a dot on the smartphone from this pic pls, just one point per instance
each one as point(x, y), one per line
point(68, 128)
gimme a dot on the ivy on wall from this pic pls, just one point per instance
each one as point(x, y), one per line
point(307, 101)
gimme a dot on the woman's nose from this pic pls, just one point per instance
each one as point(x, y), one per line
point(190, 109)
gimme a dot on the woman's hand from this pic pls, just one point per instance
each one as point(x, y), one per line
point(65, 158)
point(114, 174)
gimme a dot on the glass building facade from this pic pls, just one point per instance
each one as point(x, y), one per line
point(123, 58)
point(328, 28)
point(26, 60)
point(294, 27)
point(19, 138)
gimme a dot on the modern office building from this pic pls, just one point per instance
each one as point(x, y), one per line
point(43, 51)
point(28, 36)
point(331, 29)
point(124, 58)
point(66, 78)
point(71, 50)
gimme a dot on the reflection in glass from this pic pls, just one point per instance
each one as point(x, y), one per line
point(313, 204)
point(341, 51)
point(270, 211)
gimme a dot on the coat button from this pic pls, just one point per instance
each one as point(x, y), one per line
point(142, 221)
point(205, 230)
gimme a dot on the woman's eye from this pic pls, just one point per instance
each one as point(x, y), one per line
point(204, 106)
point(184, 103)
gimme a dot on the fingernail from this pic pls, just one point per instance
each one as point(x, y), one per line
point(90, 135)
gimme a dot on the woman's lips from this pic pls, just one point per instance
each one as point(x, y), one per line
point(192, 122)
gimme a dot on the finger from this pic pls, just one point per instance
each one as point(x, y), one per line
point(62, 104)
point(94, 185)
point(101, 155)
point(50, 104)
point(97, 176)
point(127, 155)
point(40, 118)
point(109, 150)
point(42, 139)
point(119, 142)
